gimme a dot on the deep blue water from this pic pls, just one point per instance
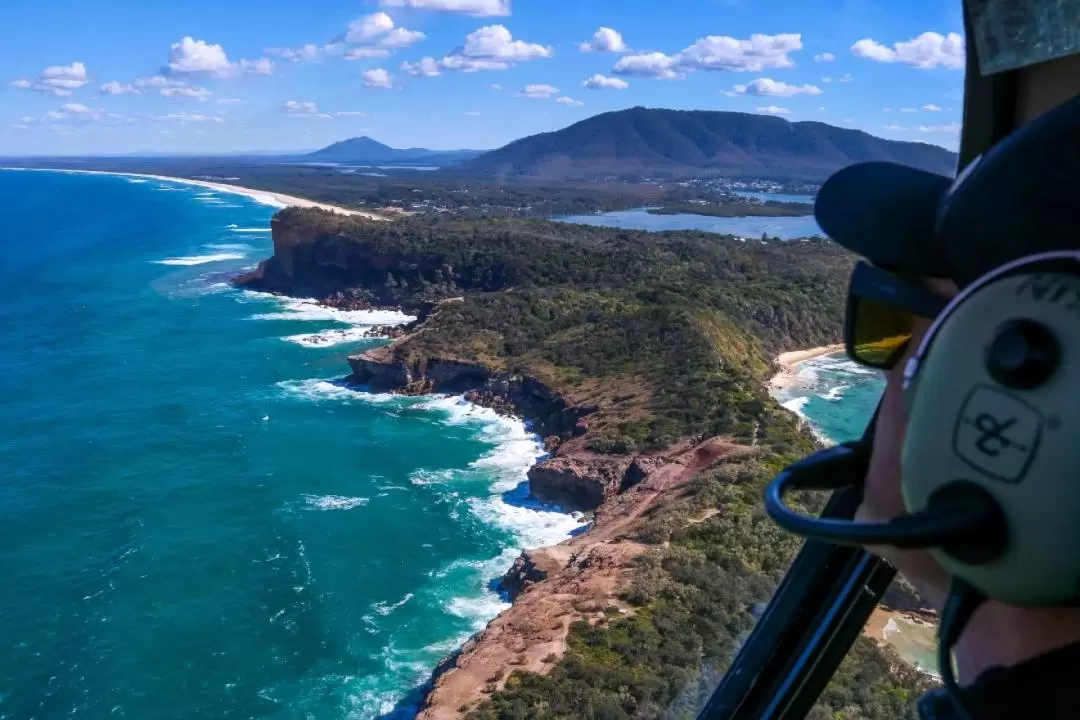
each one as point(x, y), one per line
point(198, 520)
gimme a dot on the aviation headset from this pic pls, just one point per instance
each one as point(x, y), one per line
point(992, 448)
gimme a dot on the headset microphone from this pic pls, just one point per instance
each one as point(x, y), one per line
point(992, 448)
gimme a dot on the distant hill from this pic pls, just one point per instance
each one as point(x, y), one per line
point(681, 143)
point(365, 150)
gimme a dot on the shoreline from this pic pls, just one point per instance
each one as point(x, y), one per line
point(787, 377)
point(265, 197)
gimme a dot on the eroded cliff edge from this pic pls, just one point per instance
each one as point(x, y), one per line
point(641, 359)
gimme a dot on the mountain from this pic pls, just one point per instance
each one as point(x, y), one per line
point(365, 150)
point(683, 143)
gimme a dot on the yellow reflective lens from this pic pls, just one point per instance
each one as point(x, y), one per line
point(880, 332)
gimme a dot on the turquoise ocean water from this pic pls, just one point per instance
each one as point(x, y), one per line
point(836, 396)
point(198, 519)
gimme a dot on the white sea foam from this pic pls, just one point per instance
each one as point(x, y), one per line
point(248, 230)
point(318, 390)
point(335, 502)
point(232, 247)
point(835, 393)
point(200, 259)
point(308, 309)
point(329, 338)
point(136, 181)
point(796, 405)
point(383, 609)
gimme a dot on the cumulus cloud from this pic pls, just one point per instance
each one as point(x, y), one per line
point(116, 88)
point(377, 78)
point(764, 87)
point(931, 108)
point(159, 82)
point(304, 53)
point(231, 101)
point(654, 64)
point(200, 58)
point(716, 52)
point(350, 113)
point(401, 38)
point(493, 48)
point(197, 93)
point(425, 67)
point(824, 57)
point(361, 53)
point(927, 51)
point(603, 82)
point(846, 77)
point(895, 127)
point(605, 40)
point(187, 117)
point(57, 80)
point(368, 27)
point(304, 108)
point(539, 92)
point(773, 110)
point(495, 86)
point(569, 102)
point(477, 8)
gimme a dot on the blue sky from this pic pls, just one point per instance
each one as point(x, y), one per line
point(117, 76)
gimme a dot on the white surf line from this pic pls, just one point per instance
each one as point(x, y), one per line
point(264, 197)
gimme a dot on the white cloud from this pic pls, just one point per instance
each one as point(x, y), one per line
point(262, 66)
point(886, 109)
point(305, 53)
point(425, 67)
point(760, 52)
point(57, 80)
point(159, 81)
point(366, 52)
point(928, 50)
point(824, 57)
point(231, 101)
point(773, 110)
point(764, 87)
point(846, 77)
point(368, 27)
point(300, 107)
point(115, 88)
point(603, 82)
point(931, 108)
point(477, 8)
point(605, 40)
point(402, 38)
point(655, 64)
point(716, 52)
point(199, 57)
point(495, 86)
point(909, 110)
point(822, 109)
point(350, 113)
point(895, 127)
point(539, 92)
point(950, 128)
point(492, 48)
point(570, 102)
point(187, 117)
point(197, 93)
point(78, 109)
point(377, 78)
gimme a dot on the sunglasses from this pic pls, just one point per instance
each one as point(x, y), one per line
point(881, 311)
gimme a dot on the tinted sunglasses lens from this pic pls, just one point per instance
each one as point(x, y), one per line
point(879, 333)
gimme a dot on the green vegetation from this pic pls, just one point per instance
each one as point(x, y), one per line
point(766, 209)
point(691, 604)
point(668, 336)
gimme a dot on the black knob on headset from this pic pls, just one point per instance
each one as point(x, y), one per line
point(1024, 354)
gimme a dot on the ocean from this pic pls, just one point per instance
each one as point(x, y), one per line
point(834, 395)
point(199, 518)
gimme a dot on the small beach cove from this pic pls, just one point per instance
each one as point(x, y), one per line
point(837, 397)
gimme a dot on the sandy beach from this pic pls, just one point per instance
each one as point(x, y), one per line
point(788, 377)
point(265, 197)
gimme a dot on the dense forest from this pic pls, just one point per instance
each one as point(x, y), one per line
point(737, 209)
point(666, 336)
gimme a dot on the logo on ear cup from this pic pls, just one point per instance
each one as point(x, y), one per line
point(997, 433)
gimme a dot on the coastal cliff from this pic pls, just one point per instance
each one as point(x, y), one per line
point(642, 361)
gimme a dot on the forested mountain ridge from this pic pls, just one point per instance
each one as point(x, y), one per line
point(688, 143)
point(367, 150)
point(643, 358)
